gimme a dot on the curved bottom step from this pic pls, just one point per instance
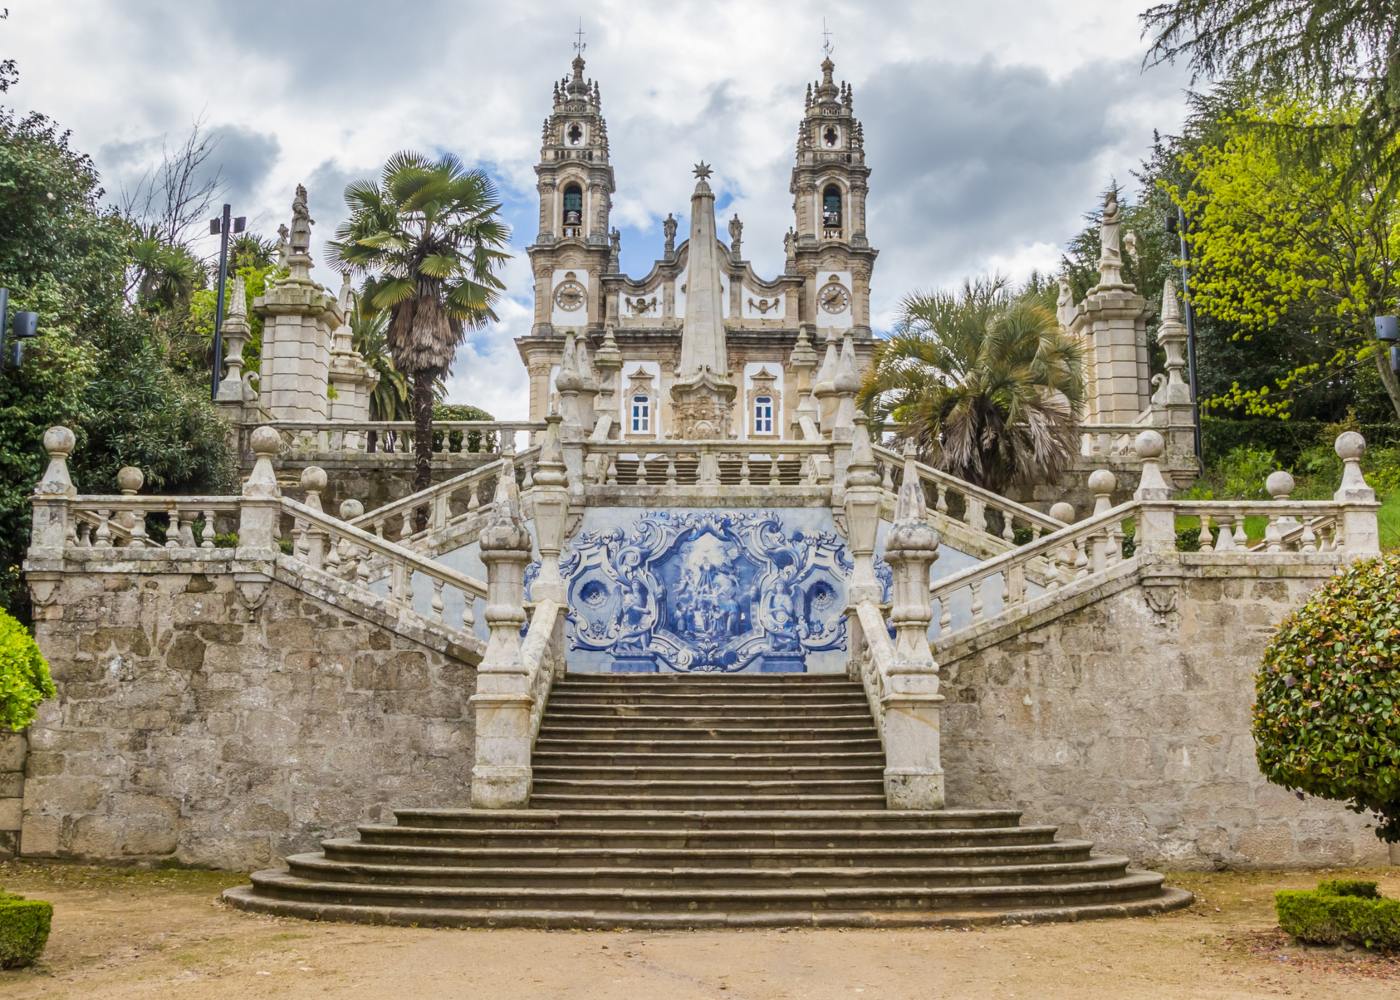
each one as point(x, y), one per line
point(246, 898)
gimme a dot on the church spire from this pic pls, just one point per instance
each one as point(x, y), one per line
point(702, 338)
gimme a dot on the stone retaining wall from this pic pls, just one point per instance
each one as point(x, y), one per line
point(188, 728)
point(1131, 727)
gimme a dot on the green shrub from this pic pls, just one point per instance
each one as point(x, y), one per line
point(1364, 888)
point(1324, 916)
point(24, 930)
point(1287, 439)
point(475, 441)
point(24, 675)
point(1327, 695)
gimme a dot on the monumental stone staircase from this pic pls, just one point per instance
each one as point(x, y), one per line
point(699, 801)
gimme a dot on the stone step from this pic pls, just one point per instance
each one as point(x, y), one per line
point(739, 801)
point(738, 685)
point(726, 699)
point(730, 787)
point(917, 820)
point(1129, 887)
point(688, 746)
point(318, 867)
point(852, 839)
point(794, 759)
point(359, 851)
point(674, 733)
point(601, 918)
point(856, 713)
point(661, 771)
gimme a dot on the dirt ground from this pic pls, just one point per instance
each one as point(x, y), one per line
point(121, 934)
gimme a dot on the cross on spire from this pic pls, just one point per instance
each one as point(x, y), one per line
point(827, 47)
point(579, 43)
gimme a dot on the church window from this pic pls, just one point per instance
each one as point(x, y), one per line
point(830, 136)
point(641, 414)
point(763, 415)
point(573, 210)
point(831, 212)
point(575, 134)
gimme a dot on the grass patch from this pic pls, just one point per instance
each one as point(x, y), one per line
point(78, 876)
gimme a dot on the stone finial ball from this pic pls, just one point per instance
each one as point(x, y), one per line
point(1279, 484)
point(1149, 444)
point(351, 509)
point(1102, 481)
point(1063, 511)
point(59, 441)
point(130, 479)
point(1350, 445)
point(265, 441)
point(313, 479)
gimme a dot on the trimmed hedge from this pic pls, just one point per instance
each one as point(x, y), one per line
point(1327, 695)
point(1347, 910)
point(24, 930)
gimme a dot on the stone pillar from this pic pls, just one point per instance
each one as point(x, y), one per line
point(1102, 483)
point(1111, 322)
point(551, 508)
point(298, 315)
point(569, 384)
point(501, 765)
point(861, 500)
point(1156, 529)
point(824, 386)
point(912, 703)
point(51, 515)
point(235, 332)
point(1360, 532)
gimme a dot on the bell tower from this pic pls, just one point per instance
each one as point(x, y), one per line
point(829, 185)
point(571, 250)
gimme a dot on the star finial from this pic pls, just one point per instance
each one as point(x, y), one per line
point(702, 170)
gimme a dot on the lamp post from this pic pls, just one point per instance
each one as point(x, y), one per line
point(1388, 333)
point(1177, 224)
point(13, 333)
point(221, 227)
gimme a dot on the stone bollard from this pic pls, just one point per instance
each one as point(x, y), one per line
point(501, 765)
point(51, 516)
point(912, 703)
point(1156, 529)
point(1360, 532)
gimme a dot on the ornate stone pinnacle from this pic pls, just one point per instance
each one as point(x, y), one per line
point(702, 170)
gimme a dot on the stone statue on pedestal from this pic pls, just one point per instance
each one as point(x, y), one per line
point(668, 229)
point(301, 222)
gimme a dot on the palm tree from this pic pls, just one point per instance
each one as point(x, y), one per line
point(429, 235)
point(986, 384)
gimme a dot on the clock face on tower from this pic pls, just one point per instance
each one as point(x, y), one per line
point(833, 297)
point(569, 295)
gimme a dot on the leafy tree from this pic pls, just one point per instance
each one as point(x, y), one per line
point(985, 382)
point(1326, 720)
point(24, 675)
point(1286, 251)
point(1331, 49)
point(430, 236)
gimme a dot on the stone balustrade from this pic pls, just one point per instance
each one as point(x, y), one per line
point(981, 510)
point(709, 463)
point(127, 521)
point(331, 440)
point(448, 502)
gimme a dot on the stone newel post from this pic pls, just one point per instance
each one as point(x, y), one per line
point(51, 515)
point(260, 509)
point(1360, 532)
point(862, 503)
point(551, 508)
point(912, 704)
point(501, 768)
point(1156, 532)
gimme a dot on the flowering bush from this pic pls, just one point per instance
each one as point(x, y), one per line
point(1327, 696)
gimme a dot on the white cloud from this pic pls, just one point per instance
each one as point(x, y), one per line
point(991, 127)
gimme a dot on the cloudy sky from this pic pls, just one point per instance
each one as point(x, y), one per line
point(990, 127)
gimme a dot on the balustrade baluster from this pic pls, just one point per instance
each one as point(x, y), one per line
point(886, 477)
point(612, 470)
point(172, 528)
point(641, 470)
point(1224, 537)
point(406, 526)
point(206, 537)
point(671, 470)
point(977, 601)
point(1308, 540)
point(774, 476)
point(1081, 559)
point(528, 482)
point(468, 611)
point(942, 505)
point(1008, 527)
point(1204, 539)
point(945, 613)
point(809, 471)
point(437, 603)
point(1013, 586)
point(975, 513)
point(473, 500)
point(103, 538)
point(1273, 534)
point(1241, 538)
point(744, 470)
point(77, 531)
point(138, 528)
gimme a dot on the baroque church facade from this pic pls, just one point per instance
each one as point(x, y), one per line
point(701, 346)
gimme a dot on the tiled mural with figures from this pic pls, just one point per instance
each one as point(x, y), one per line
point(707, 591)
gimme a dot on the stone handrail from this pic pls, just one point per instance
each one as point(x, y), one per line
point(329, 544)
point(395, 519)
point(542, 652)
point(872, 658)
point(712, 463)
point(972, 502)
point(119, 520)
point(330, 439)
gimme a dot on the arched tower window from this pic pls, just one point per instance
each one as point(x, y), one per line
point(831, 212)
point(573, 210)
point(641, 414)
point(575, 134)
point(763, 415)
